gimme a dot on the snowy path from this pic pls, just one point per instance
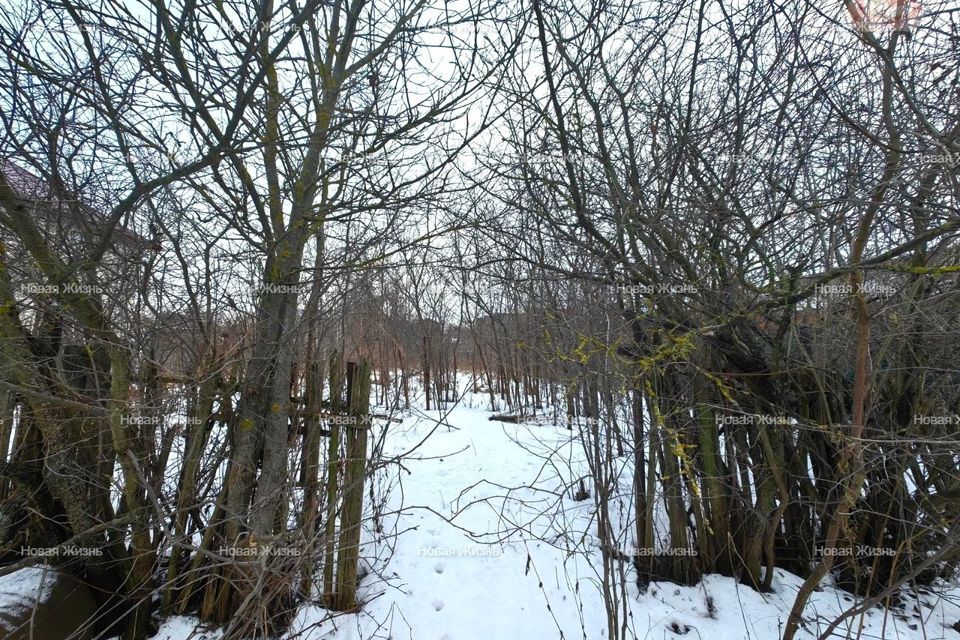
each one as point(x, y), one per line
point(452, 586)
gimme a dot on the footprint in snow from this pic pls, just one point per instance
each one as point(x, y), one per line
point(437, 605)
point(438, 567)
point(680, 630)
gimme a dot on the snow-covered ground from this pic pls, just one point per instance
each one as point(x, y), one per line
point(492, 546)
point(22, 590)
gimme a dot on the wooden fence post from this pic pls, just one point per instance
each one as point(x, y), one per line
point(351, 517)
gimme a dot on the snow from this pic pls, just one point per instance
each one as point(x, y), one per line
point(23, 589)
point(183, 628)
point(492, 546)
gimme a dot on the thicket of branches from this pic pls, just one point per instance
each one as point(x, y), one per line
point(742, 224)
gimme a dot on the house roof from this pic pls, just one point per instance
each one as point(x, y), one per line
point(68, 211)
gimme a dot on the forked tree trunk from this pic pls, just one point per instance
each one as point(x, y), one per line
point(196, 441)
